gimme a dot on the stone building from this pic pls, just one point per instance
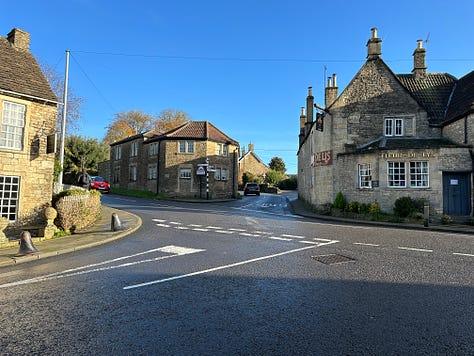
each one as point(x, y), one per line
point(195, 160)
point(390, 135)
point(27, 139)
point(249, 162)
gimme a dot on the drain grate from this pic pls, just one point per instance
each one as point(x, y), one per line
point(332, 259)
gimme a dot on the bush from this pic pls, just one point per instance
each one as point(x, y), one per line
point(290, 183)
point(353, 207)
point(407, 206)
point(374, 208)
point(340, 202)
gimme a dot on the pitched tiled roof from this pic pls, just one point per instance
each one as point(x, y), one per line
point(148, 135)
point(432, 92)
point(20, 73)
point(462, 101)
point(199, 130)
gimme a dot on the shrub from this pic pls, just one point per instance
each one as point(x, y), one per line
point(446, 219)
point(407, 206)
point(290, 183)
point(340, 202)
point(353, 207)
point(374, 208)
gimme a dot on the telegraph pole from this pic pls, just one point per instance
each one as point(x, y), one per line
point(63, 124)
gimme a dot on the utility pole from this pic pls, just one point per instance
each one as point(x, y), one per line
point(207, 178)
point(63, 123)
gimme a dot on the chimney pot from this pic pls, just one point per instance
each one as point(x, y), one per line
point(334, 84)
point(374, 32)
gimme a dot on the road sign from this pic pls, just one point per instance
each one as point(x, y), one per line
point(201, 171)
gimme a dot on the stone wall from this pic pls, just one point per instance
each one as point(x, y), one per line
point(32, 164)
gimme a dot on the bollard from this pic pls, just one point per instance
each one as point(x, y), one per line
point(115, 224)
point(26, 245)
point(426, 215)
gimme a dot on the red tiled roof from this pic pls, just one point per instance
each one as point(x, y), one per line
point(199, 130)
point(20, 73)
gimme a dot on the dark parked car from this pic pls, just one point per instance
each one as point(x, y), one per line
point(251, 188)
point(99, 183)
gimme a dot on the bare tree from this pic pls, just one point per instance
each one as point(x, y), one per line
point(74, 103)
point(169, 119)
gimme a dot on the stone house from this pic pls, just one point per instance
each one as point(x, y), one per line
point(194, 160)
point(28, 120)
point(390, 135)
point(249, 162)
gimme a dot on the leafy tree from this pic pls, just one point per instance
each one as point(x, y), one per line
point(277, 164)
point(128, 123)
point(249, 177)
point(83, 153)
point(169, 119)
point(274, 177)
point(74, 103)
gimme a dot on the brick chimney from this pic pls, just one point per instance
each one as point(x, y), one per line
point(331, 91)
point(19, 39)
point(374, 45)
point(250, 147)
point(419, 64)
point(309, 109)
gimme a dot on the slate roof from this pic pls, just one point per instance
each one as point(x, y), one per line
point(462, 101)
point(433, 92)
point(406, 143)
point(198, 130)
point(20, 73)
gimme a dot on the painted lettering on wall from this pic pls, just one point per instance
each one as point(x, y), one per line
point(323, 158)
point(408, 155)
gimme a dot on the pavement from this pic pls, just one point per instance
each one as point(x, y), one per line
point(101, 233)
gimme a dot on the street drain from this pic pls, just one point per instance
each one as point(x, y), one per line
point(332, 259)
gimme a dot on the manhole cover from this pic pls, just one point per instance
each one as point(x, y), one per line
point(332, 259)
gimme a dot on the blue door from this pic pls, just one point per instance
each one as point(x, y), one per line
point(456, 193)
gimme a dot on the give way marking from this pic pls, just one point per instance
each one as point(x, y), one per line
point(171, 250)
point(227, 266)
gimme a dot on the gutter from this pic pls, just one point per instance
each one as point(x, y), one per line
point(30, 96)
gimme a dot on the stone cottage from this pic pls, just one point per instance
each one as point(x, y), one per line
point(28, 120)
point(390, 135)
point(249, 162)
point(194, 160)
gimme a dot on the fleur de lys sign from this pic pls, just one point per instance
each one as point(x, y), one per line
point(323, 158)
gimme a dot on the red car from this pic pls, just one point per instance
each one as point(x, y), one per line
point(100, 184)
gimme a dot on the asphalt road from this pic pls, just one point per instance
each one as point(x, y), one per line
point(245, 278)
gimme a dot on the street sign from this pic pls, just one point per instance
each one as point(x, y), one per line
point(201, 171)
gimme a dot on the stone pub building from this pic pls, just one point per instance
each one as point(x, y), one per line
point(390, 135)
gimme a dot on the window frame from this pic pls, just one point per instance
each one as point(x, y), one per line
point(118, 153)
point(419, 174)
point(12, 125)
point(186, 147)
point(134, 149)
point(9, 199)
point(152, 171)
point(364, 170)
point(394, 127)
point(185, 173)
point(132, 173)
point(398, 174)
point(153, 150)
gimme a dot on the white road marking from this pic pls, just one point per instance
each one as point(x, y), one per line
point(365, 244)
point(182, 228)
point(293, 236)
point(324, 240)
point(195, 225)
point(200, 229)
point(308, 242)
point(159, 220)
point(279, 238)
point(163, 225)
point(214, 227)
point(463, 254)
point(414, 249)
point(173, 250)
point(248, 234)
point(222, 267)
point(225, 232)
point(262, 232)
point(233, 229)
point(175, 223)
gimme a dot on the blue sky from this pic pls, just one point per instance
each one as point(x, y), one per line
point(244, 66)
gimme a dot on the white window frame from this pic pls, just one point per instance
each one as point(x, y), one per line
point(364, 176)
point(222, 149)
point(185, 173)
point(116, 174)
point(224, 174)
point(217, 174)
point(419, 174)
point(133, 173)
point(153, 150)
point(186, 147)
point(152, 171)
point(134, 149)
point(118, 152)
point(9, 196)
point(396, 174)
point(13, 122)
point(393, 126)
